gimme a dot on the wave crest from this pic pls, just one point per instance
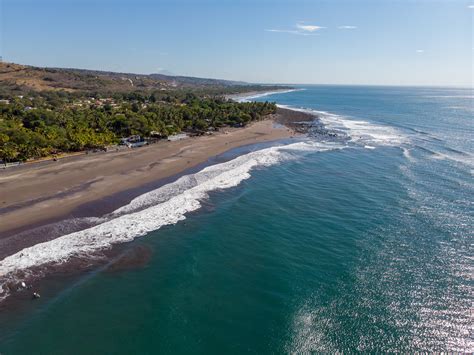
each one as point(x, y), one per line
point(166, 205)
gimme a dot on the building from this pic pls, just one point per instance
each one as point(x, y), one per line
point(136, 144)
point(132, 139)
point(177, 137)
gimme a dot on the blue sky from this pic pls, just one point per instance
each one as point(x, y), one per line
point(381, 42)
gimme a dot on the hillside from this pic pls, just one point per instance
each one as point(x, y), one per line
point(15, 78)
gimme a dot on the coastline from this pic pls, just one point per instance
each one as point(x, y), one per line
point(37, 195)
point(255, 94)
point(49, 200)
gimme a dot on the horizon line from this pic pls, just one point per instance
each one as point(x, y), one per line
point(460, 86)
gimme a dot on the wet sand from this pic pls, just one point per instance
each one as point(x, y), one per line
point(35, 195)
point(43, 201)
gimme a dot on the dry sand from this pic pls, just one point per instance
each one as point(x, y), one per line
point(35, 194)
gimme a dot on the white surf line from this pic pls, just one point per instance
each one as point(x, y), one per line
point(166, 205)
point(359, 131)
point(246, 98)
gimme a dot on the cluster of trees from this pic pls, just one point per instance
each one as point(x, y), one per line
point(43, 124)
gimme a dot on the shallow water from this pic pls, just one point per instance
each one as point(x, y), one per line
point(358, 240)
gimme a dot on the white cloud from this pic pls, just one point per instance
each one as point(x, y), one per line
point(283, 31)
point(308, 28)
point(470, 7)
point(301, 30)
point(347, 27)
point(420, 51)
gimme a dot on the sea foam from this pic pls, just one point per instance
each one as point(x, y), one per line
point(360, 132)
point(166, 205)
point(247, 98)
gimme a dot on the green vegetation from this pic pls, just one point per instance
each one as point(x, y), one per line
point(38, 124)
point(46, 111)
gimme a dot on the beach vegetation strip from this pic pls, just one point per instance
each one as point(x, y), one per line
point(96, 112)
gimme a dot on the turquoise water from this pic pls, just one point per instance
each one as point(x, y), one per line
point(361, 242)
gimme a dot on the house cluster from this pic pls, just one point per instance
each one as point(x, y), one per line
point(7, 102)
point(135, 140)
point(21, 97)
point(98, 102)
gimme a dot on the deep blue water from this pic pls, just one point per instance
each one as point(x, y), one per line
point(360, 242)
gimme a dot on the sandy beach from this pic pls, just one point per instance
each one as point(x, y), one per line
point(37, 194)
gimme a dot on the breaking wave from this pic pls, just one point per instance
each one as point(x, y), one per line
point(371, 135)
point(363, 133)
point(166, 205)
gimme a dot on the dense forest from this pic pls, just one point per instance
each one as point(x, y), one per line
point(39, 124)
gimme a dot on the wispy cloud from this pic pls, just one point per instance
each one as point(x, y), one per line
point(282, 31)
point(293, 32)
point(308, 28)
point(300, 29)
point(347, 27)
point(420, 51)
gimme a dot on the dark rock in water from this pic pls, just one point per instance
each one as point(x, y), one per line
point(297, 120)
point(308, 123)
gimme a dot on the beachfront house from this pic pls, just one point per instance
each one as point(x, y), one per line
point(133, 141)
point(137, 144)
point(156, 134)
point(177, 137)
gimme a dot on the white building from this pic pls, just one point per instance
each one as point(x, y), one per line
point(177, 137)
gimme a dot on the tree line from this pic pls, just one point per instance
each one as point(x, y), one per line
point(36, 125)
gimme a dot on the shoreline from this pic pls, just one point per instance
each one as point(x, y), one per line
point(36, 195)
point(31, 219)
point(67, 155)
point(45, 191)
point(255, 94)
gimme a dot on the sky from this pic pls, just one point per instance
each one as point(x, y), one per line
point(368, 42)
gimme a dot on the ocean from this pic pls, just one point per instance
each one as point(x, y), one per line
point(357, 238)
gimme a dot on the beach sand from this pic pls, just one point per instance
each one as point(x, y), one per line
point(43, 201)
point(33, 195)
